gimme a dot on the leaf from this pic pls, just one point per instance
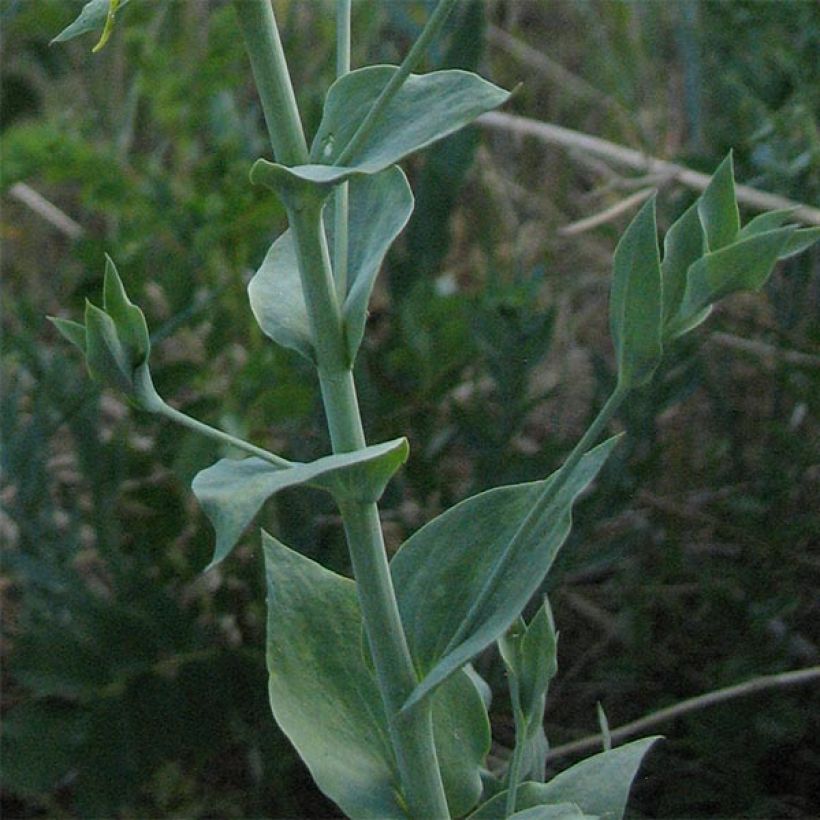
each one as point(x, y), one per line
point(717, 207)
point(599, 785)
point(232, 491)
point(73, 331)
point(561, 811)
point(278, 301)
point(132, 329)
point(92, 18)
point(426, 108)
point(379, 208)
point(635, 312)
point(744, 265)
point(683, 245)
point(463, 578)
point(324, 696)
point(106, 358)
point(765, 222)
point(802, 239)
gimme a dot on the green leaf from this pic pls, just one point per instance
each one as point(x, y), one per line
point(380, 206)
point(324, 696)
point(463, 578)
point(232, 491)
point(744, 265)
point(561, 811)
point(802, 239)
point(301, 183)
point(278, 301)
point(73, 331)
point(683, 245)
point(106, 358)
point(599, 785)
point(530, 656)
point(132, 329)
point(425, 109)
point(635, 312)
point(765, 222)
point(717, 207)
point(92, 18)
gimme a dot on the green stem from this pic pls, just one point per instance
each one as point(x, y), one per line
point(434, 24)
point(542, 504)
point(270, 72)
point(340, 202)
point(411, 734)
point(514, 772)
point(219, 435)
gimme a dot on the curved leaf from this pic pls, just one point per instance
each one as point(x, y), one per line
point(635, 308)
point(717, 207)
point(379, 208)
point(92, 17)
point(232, 491)
point(462, 579)
point(325, 698)
point(744, 265)
point(683, 245)
point(598, 786)
point(278, 301)
point(426, 108)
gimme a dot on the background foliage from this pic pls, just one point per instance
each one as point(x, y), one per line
point(134, 686)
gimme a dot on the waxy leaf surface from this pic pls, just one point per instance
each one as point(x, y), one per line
point(91, 18)
point(683, 245)
point(232, 491)
point(744, 265)
point(325, 698)
point(635, 308)
point(717, 207)
point(462, 579)
point(599, 785)
point(379, 207)
point(425, 109)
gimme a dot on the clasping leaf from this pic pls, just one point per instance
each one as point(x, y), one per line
point(232, 491)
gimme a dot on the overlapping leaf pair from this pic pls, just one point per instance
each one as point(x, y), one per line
point(707, 256)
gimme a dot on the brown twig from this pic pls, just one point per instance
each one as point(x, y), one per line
point(566, 137)
point(750, 687)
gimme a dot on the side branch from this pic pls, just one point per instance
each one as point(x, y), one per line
point(639, 726)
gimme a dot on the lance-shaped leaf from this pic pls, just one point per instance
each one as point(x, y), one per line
point(683, 245)
point(92, 17)
point(426, 108)
point(717, 207)
point(744, 265)
point(379, 207)
point(325, 698)
point(636, 309)
point(530, 657)
point(599, 785)
point(232, 491)
point(799, 241)
point(132, 329)
point(462, 579)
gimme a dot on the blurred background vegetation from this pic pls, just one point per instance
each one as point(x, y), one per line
point(133, 686)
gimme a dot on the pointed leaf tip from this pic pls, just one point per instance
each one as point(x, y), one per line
point(73, 331)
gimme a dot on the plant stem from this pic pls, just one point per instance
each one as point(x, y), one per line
point(340, 202)
point(542, 504)
point(226, 438)
point(430, 30)
point(412, 734)
point(270, 72)
point(514, 772)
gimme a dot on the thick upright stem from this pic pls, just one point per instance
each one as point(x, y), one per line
point(270, 72)
point(412, 733)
